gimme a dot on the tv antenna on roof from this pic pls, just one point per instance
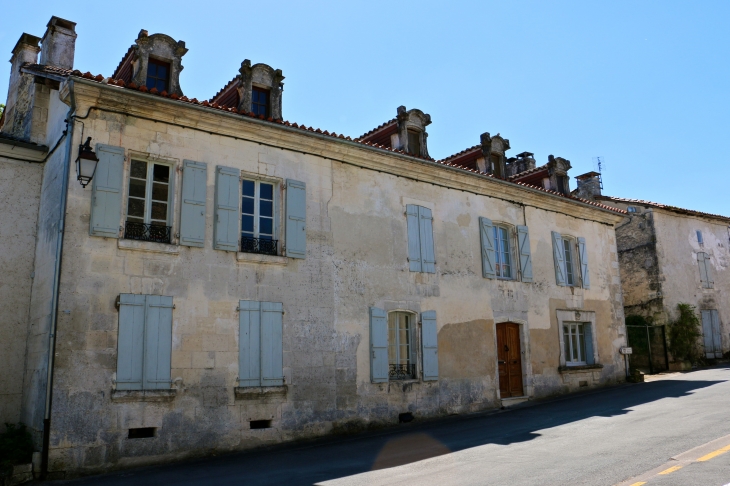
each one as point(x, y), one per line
point(599, 163)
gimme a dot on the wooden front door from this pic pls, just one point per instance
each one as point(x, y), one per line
point(509, 358)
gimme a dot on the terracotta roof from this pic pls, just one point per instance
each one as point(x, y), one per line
point(667, 207)
point(224, 88)
point(122, 62)
point(463, 152)
point(377, 129)
point(40, 69)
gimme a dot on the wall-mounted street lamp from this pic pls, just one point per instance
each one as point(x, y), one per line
point(86, 163)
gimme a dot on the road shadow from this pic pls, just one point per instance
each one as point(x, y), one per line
point(331, 458)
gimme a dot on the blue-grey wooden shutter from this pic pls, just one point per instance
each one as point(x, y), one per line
point(523, 243)
point(249, 343)
point(428, 258)
point(272, 353)
point(227, 216)
point(192, 213)
point(414, 238)
point(486, 232)
point(378, 345)
point(559, 258)
point(708, 272)
point(583, 255)
point(130, 343)
point(701, 262)
point(708, 334)
point(717, 337)
point(158, 342)
point(296, 219)
point(106, 192)
point(588, 335)
point(429, 341)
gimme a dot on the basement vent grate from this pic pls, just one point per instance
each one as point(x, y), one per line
point(260, 424)
point(141, 433)
point(404, 418)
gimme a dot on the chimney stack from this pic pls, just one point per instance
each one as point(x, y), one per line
point(59, 43)
point(17, 104)
point(589, 185)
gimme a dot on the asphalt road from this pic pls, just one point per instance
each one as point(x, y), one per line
point(602, 437)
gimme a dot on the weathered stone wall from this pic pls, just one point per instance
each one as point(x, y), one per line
point(356, 258)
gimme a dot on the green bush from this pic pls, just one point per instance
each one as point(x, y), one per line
point(16, 447)
point(684, 334)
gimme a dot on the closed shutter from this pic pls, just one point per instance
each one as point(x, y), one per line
point(296, 219)
point(378, 345)
point(414, 238)
point(702, 263)
point(717, 337)
point(192, 213)
point(559, 258)
point(428, 259)
point(249, 343)
point(486, 232)
point(588, 335)
point(158, 342)
point(272, 358)
point(523, 242)
point(429, 340)
point(708, 334)
point(130, 343)
point(227, 215)
point(709, 272)
point(583, 255)
point(106, 192)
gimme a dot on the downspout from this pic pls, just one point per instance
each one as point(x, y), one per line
point(57, 281)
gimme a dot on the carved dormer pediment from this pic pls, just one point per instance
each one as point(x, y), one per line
point(163, 52)
point(260, 89)
point(494, 149)
point(412, 136)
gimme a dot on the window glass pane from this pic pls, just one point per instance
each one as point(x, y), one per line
point(392, 340)
point(151, 69)
point(247, 205)
point(568, 262)
point(266, 208)
point(135, 207)
point(159, 211)
point(247, 234)
point(161, 85)
point(249, 188)
point(159, 191)
point(161, 71)
point(139, 169)
point(267, 191)
point(574, 345)
point(161, 173)
point(266, 226)
point(151, 83)
point(566, 340)
point(247, 223)
point(137, 188)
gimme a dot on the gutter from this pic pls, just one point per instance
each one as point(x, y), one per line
point(57, 280)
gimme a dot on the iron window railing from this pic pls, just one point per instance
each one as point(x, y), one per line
point(147, 232)
point(402, 371)
point(259, 245)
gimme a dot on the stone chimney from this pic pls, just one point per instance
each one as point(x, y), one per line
point(589, 185)
point(525, 161)
point(59, 43)
point(18, 107)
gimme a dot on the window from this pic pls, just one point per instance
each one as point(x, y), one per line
point(570, 256)
point(575, 343)
point(569, 262)
point(260, 343)
point(631, 209)
point(414, 142)
point(148, 203)
point(145, 342)
point(400, 363)
point(158, 74)
point(503, 249)
point(260, 101)
point(257, 218)
point(699, 238)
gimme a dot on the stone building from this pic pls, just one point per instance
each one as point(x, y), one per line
point(230, 279)
point(670, 255)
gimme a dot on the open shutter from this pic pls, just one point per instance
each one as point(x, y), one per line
point(486, 232)
point(559, 258)
point(130, 343)
point(378, 345)
point(428, 259)
point(707, 334)
point(192, 213)
point(523, 242)
point(158, 342)
point(249, 343)
point(588, 335)
point(227, 216)
point(272, 354)
point(429, 341)
point(414, 238)
point(296, 219)
point(701, 262)
point(583, 255)
point(106, 192)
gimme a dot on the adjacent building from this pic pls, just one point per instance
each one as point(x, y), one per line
point(230, 279)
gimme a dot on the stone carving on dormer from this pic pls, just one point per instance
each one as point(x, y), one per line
point(412, 136)
point(558, 168)
point(494, 149)
point(161, 48)
point(264, 79)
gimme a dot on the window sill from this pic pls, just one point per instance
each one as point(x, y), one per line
point(144, 395)
point(259, 392)
point(261, 258)
point(580, 368)
point(148, 246)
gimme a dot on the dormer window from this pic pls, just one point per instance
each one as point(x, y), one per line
point(414, 142)
point(260, 101)
point(158, 74)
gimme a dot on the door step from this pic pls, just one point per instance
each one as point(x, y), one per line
point(512, 401)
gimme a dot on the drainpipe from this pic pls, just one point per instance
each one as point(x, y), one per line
point(57, 281)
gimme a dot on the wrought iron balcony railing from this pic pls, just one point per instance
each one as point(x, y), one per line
point(259, 245)
point(402, 371)
point(147, 232)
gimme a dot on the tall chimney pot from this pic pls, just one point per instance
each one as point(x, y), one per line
point(59, 43)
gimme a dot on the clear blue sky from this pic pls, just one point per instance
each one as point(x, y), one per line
point(643, 84)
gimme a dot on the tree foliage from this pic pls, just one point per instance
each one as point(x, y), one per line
point(684, 334)
point(16, 447)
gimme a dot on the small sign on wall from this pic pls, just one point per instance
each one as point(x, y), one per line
point(626, 350)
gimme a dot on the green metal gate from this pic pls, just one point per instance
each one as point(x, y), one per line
point(649, 348)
